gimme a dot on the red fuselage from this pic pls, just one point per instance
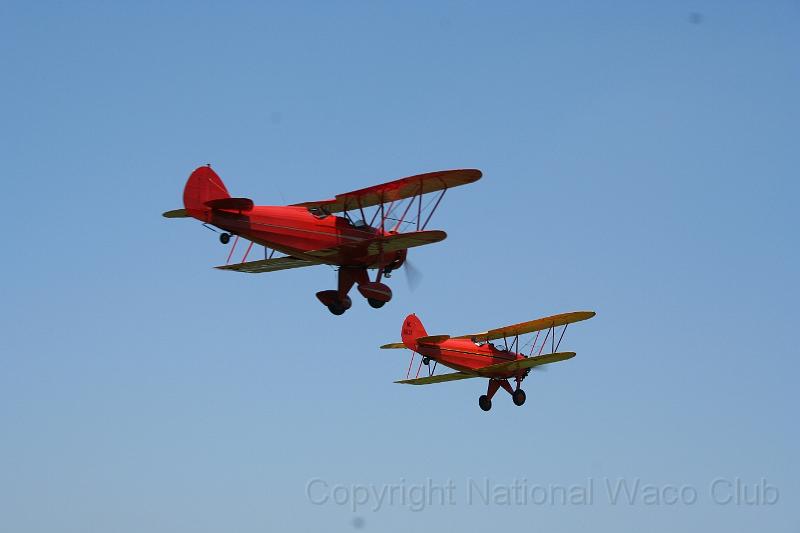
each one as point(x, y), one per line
point(295, 231)
point(465, 356)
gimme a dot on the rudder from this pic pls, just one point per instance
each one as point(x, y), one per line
point(203, 185)
point(412, 330)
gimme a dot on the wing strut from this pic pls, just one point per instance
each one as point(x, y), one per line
point(434, 208)
point(419, 368)
point(408, 372)
point(561, 337)
point(402, 218)
point(233, 248)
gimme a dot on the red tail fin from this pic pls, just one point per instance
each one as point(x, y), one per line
point(412, 330)
point(203, 185)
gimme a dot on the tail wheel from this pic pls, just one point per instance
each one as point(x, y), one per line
point(426, 361)
point(485, 403)
point(376, 304)
point(224, 238)
point(518, 397)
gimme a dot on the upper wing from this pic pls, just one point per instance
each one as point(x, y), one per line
point(269, 265)
point(438, 379)
point(511, 367)
point(531, 326)
point(396, 190)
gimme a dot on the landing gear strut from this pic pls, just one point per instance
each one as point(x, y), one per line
point(518, 395)
point(337, 301)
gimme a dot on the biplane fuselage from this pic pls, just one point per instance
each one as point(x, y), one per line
point(294, 231)
point(465, 355)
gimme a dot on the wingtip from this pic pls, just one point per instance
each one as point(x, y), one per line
point(175, 213)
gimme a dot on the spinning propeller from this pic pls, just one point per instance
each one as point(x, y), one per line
point(413, 275)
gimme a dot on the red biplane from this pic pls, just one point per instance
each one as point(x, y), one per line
point(474, 356)
point(309, 233)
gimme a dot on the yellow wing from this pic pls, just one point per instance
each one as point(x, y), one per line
point(441, 378)
point(342, 254)
point(378, 245)
point(393, 346)
point(396, 190)
point(506, 369)
point(528, 327)
point(175, 213)
point(511, 367)
point(269, 265)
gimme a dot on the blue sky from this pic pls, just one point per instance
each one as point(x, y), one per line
point(639, 160)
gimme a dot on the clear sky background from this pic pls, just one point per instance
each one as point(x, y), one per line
point(640, 160)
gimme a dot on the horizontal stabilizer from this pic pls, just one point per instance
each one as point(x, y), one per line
point(268, 265)
point(441, 378)
point(233, 204)
point(175, 213)
point(393, 346)
point(432, 339)
point(510, 367)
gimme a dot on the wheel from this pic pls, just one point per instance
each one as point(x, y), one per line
point(224, 238)
point(426, 361)
point(336, 309)
point(485, 402)
point(518, 397)
point(377, 304)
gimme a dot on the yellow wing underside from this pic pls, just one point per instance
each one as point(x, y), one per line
point(509, 367)
point(531, 326)
point(396, 190)
point(333, 255)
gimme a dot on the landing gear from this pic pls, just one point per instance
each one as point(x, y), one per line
point(485, 402)
point(376, 293)
point(495, 384)
point(224, 238)
point(338, 307)
point(518, 397)
point(337, 301)
point(375, 303)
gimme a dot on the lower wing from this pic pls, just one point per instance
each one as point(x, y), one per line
point(269, 265)
point(438, 379)
point(378, 245)
point(506, 369)
point(511, 367)
point(338, 255)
